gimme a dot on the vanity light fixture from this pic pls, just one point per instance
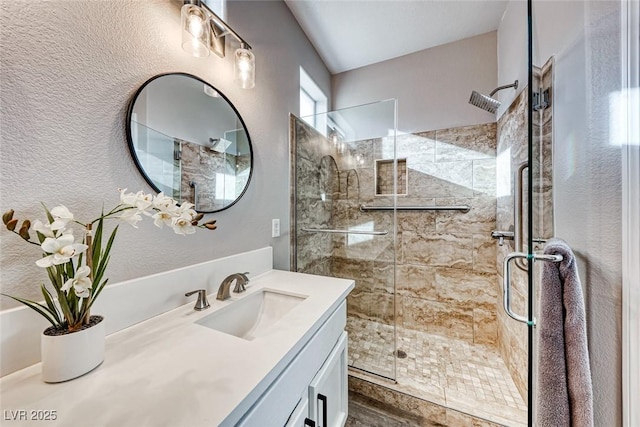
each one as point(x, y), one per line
point(334, 137)
point(244, 67)
point(195, 37)
point(203, 32)
point(337, 140)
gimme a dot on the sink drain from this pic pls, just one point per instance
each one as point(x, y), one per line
point(401, 354)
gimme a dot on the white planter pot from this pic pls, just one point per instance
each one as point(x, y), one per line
point(65, 357)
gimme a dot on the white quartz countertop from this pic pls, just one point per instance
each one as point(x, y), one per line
point(170, 371)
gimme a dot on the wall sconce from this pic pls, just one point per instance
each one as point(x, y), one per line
point(203, 32)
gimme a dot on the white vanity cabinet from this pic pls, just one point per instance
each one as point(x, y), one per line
point(312, 389)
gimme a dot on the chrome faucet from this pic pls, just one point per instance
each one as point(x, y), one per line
point(201, 303)
point(241, 280)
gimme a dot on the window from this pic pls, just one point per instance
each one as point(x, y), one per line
point(313, 103)
point(307, 107)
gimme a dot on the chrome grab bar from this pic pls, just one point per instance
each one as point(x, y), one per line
point(334, 231)
point(462, 208)
point(506, 281)
point(517, 213)
point(194, 185)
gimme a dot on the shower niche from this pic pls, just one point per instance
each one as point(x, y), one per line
point(390, 173)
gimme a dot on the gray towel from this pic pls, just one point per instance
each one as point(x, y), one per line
point(564, 395)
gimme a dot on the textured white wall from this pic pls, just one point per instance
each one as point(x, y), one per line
point(584, 37)
point(68, 71)
point(432, 86)
point(512, 53)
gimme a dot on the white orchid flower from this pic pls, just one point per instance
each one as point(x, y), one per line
point(61, 216)
point(60, 249)
point(186, 210)
point(44, 229)
point(182, 225)
point(162, 218)
point(81, 283)
point(143, 201)
point(128, 199)
point(131, 216)
point(164, 203)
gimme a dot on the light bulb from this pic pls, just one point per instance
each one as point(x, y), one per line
point(244, 68)
point(195, 32)
point(195, 26)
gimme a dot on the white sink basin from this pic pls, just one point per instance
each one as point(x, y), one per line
point(251, 316)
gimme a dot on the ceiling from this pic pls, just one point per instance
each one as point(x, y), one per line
point(350, 34)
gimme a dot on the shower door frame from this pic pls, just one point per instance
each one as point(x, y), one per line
point(530, 204)
point(631, 217)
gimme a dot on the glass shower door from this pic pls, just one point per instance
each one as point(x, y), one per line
point(343, 160)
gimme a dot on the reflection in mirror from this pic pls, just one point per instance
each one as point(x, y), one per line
point(189, 142)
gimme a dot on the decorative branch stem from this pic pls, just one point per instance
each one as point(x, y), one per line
point(89, 262)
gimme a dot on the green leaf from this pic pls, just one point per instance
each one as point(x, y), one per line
point(97, 241)
point(101, 269)
point(54, 278)
point(71, 273)
point(97, 292)
point(64, 306)
point(104, 259)
point(48, 298)
point(41, 309)
point(41, 237)
point(49, 216)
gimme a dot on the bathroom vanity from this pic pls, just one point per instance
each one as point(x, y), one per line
point(285, 366)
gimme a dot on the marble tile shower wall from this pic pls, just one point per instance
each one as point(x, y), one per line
point(315, 184)
point(199, 164)
point(512, 146)
point(446, 272)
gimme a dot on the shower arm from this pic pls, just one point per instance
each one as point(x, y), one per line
point(513, 85)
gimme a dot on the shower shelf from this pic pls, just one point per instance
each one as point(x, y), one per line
point(462, 208)
point(333, 231)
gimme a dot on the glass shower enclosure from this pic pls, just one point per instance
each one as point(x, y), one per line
point(345, 163)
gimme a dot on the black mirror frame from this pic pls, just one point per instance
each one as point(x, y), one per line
point(132, 148)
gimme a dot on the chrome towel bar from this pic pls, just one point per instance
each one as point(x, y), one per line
point(506, 278)
point(462, 208)
point(333, 231)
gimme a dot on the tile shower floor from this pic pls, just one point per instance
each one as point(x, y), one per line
point(448, 372)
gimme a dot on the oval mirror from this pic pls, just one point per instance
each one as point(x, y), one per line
point(189, 141)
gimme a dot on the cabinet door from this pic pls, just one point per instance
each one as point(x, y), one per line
point(328, 390)
point(300, 415)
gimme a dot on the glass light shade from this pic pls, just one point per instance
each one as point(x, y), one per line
point(244, 68)
point(195, 30)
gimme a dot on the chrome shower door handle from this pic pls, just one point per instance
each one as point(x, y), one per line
point(506, 286)
point(506, 281)
point(518, 232)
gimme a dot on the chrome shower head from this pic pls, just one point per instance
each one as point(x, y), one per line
point(486, 102)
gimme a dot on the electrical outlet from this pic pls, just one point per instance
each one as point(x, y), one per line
point(275, 227)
